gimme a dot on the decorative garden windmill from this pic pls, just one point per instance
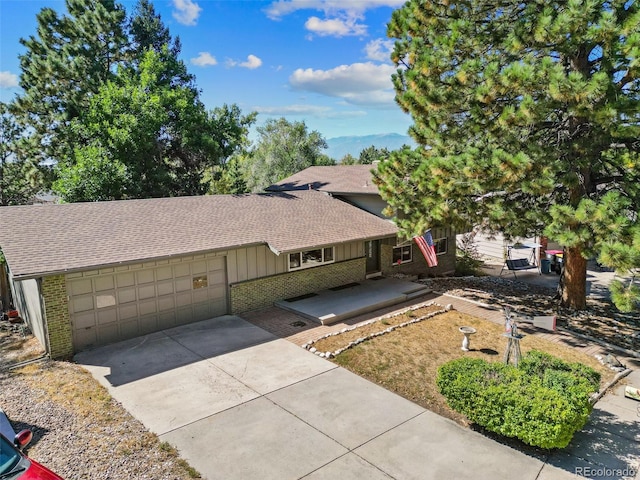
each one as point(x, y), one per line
point(512, 352)
point(511, 332)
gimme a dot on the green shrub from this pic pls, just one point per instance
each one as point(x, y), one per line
point(539, 363)
point(542, 404)
point(468, 258)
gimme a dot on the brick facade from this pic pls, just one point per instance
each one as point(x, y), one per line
point(56, 314)
point(418, 265)
point(263, 292)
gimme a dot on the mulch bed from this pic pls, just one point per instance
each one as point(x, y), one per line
point(601, 320)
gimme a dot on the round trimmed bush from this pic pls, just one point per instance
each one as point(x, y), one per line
point(542, 403)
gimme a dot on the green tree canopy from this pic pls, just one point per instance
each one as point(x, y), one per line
point(65, 63)
point(367, 156)
point(111, 104)
point(145, 135)
point(527, 118)
point(21, 176)
point(283, 148)
point(147, 30)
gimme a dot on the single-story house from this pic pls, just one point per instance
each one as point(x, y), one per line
point(87, 274)
point(353, 184)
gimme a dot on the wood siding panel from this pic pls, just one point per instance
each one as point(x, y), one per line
point(271, 261)
point(369, 203)
point(241, 264)
point(257, 262)
point(26, 298)
point(252, 262)
point(496, 246)
point(261, 261)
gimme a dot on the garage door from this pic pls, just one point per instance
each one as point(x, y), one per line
point(118, 303)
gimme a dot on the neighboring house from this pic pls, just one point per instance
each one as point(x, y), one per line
point(353, 184)
point(495, 248)
point(87, 274)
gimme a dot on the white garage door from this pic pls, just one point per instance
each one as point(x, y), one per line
point(114, 304)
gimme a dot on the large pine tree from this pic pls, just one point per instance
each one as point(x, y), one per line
point(21, 176)
point(528, 117)
point(67, 62)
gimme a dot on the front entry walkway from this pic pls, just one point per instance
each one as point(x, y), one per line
point(336, 304)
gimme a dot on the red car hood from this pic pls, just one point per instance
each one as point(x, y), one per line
point(38, 472)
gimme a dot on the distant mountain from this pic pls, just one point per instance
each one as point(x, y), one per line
point(341, 146)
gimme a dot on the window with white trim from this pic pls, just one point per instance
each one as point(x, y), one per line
point(402, 254)
point(441, 246)
point(311, 258)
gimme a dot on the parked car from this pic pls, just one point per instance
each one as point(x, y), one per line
point(15, 465)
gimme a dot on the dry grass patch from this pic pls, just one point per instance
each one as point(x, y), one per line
point(16, 348)
point(406, 360)
point(334, 342)
point(103, 432)
point(71, 387)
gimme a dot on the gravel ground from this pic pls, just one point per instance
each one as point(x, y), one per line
point(80, 432)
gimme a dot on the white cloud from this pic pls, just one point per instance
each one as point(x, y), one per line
point(358, 83)
point(281, 8)
point(187, 12)
point(341, 17)
point(8, 80)
point(296, 109)
point(379, 50)
point(308, 110)
point(251, 63)
point(204, 59)
point(336, 27)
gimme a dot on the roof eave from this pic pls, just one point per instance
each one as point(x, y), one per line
point(50, 273)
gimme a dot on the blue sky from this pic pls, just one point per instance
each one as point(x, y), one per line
point(324, 62)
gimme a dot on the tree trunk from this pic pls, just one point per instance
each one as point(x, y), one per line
point(574, 293)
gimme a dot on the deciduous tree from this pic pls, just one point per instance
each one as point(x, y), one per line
point(131, 124)
point(283, 148)
point(144, 135)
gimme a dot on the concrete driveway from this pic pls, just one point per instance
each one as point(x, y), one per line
point(239, 403)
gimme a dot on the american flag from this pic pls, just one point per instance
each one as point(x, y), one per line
point(428, 249)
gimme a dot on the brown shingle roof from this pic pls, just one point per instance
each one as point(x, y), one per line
point(333, 179)
point(41, 239)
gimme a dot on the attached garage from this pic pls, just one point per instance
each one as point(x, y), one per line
point(114, 304)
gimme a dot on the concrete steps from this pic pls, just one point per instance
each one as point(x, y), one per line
point(331, 306)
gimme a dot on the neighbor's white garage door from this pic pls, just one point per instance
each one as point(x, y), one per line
point(114, 304)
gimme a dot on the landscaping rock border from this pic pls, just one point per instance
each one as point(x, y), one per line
point(309, 345)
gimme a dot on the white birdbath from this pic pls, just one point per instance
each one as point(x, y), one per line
point(466, 331)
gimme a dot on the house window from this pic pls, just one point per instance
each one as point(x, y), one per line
point(311, 258)
point(200, 282)
point(402, 254)
point(441, 246)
